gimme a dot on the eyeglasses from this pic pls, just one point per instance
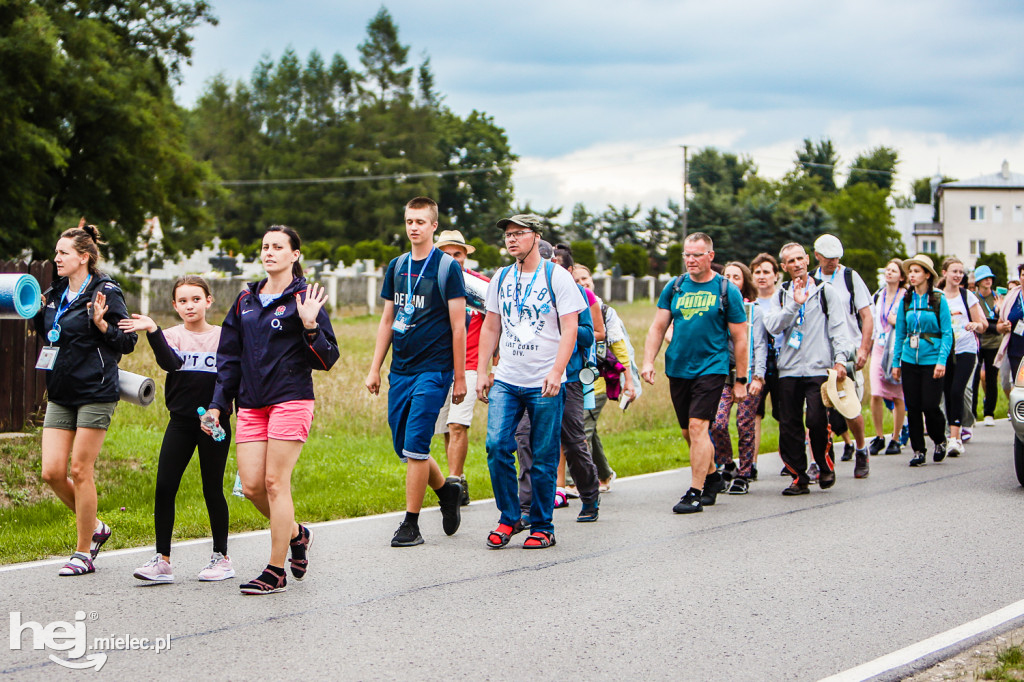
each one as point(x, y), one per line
point(695, 256)
point(515, 236)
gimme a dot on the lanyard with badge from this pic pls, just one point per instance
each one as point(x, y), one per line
point(403, 319)
point(915, 335)
point(48, 355)
point(883, 321)
point(796, 337)
point(523, 329)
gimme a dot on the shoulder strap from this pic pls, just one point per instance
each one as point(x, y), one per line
point(936, 302)
point(723, 298)
point(967, 307)
point(822, 301)
point(402, 260)
point(501, 277)
point(549, 267)
point(442, 274)
point(848, 276)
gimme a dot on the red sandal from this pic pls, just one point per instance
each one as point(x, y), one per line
point(539, 540)
point(500, 536)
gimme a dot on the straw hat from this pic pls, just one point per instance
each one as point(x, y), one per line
point(453, 238)
point(841, 395)
point(922, 260)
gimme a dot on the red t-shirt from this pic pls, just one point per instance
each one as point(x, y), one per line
point(476, 322)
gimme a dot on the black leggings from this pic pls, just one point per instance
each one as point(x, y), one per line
point(922, 394)
point(182, 437)
point(987, 357)
point(957, 379)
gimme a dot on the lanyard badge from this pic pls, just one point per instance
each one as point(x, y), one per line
point(54, 334)
point(403, 318)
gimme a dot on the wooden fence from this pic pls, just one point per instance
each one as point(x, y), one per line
point(22, 386)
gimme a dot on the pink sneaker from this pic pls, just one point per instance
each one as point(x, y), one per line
point(219, 568)
point(155, 570)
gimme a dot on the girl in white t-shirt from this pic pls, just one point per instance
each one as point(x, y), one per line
point(968, 322)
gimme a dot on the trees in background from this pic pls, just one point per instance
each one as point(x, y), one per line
point(88, 123)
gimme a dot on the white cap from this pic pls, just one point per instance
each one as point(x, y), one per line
point(828, 246)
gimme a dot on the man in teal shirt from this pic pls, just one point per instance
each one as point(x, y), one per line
point(707, 312)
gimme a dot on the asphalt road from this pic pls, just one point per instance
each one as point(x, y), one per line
point(758, 587)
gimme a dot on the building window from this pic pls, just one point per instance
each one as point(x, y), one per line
point(928, 246)
point(1018, 214)
point(974, 247)
point(1020, 248)
point(981, 246)
point(978, 214)
point(997, 214)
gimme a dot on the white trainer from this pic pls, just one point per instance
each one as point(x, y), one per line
point(155, 570)
point(989, 421)
point(219, 568)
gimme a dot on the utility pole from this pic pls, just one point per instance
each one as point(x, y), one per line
point(685, 162)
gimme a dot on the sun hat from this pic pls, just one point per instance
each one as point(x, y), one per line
point(453, 238)
point(828, 246)
point(530, 220)
point(983, 272)
point(923, 260)
point(841, 395)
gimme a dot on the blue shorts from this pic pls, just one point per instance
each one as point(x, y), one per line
point(414, 401)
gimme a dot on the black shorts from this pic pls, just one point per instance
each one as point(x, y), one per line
point(696, 398)
point(770, 389)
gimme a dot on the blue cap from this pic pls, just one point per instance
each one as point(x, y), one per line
point(983, 272)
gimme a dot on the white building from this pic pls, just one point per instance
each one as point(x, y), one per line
point(980, 215)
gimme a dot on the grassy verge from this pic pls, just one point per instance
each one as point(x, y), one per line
point(1010, 666)
point(347, 468)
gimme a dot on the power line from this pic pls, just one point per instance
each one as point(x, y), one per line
point(360, 178)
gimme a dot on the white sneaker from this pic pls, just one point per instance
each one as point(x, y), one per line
point(989, 421)
point(155, 570)
point(955, 448)
point(219, 568)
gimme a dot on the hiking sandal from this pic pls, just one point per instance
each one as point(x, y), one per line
point(539, 540)
point(500, 536)
point(78, 564)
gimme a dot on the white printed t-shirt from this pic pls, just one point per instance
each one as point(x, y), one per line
point(964, 341)
point(529, 331)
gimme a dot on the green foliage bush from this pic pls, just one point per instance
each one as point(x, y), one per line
point(632, 258)
point(584, 253)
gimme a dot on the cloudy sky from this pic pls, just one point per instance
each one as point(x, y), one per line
point(597, 96)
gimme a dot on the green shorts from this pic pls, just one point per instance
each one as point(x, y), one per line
point(90, 416)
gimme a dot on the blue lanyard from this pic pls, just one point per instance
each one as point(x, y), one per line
point(409, 288)
point(918, 309)
point(800, 320)
point(520, 304)
point(54, 333)
point(885, 316)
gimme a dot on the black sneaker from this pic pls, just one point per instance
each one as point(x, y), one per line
point(465, 491)
point(450, 498)
point(848, 450)
point(689, 503)
point(861, 468)
point(940, 453)
point(877, 445)
point(753, 472)
point(894, 448)
point(918, 459)
point(407, 535)
point(796, 488)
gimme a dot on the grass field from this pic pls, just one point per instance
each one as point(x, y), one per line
point(347, 467)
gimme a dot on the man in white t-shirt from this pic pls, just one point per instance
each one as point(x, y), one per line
point(532, 315)
point(856, 307)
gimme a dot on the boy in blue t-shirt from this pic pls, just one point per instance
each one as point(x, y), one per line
point(697, 359)
point(426, 328)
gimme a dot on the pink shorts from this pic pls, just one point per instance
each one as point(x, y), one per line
point(285, 421)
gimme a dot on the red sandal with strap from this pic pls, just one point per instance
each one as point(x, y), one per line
point(500, 536)
point(539, 540)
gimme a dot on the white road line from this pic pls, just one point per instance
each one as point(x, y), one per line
point(254, 533)
point(929, 646)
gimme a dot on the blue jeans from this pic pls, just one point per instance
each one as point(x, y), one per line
point(507, 405)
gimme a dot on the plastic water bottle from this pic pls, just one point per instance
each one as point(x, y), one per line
point(216, 432)
point(236, 490)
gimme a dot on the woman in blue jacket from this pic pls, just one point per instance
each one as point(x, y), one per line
point(924, 338)
point(274, 335)
point(79, 320)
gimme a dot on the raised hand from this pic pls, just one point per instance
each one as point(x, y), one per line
point(97, 309)
point(137, 323)
point(309, 306)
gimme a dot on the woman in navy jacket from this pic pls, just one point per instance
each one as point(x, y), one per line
point(79, 320)
point(274, 335)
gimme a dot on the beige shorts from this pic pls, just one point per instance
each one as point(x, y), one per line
point(461, 413)
point(89, 416)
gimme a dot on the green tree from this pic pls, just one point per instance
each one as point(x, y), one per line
point(996, 261)
point(584, 253)
point(487, 255)
point(712, 169)
point(863, 219)
point(819, 160)
point(345, 255)
point(384, 59)
point(631, 258)
point(876, 167)
point(674, 259)
point(88, 124)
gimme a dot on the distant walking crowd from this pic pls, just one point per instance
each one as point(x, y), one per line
point(546, 354)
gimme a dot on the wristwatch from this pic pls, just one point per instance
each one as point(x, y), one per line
point(741, 380)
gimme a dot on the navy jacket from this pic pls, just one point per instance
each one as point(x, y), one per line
point(86, 367)
point(265, 356)
point(584, 340)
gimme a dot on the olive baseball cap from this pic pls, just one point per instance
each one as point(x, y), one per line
point(528, 220)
